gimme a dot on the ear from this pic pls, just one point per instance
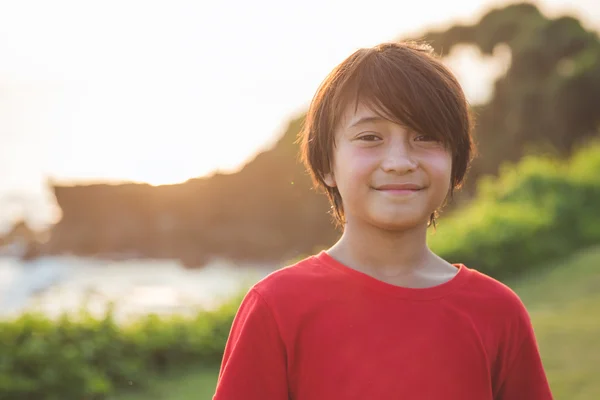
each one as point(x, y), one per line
point(329, 179)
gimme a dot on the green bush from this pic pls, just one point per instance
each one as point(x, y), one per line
point(83, 357)
point(534, 212)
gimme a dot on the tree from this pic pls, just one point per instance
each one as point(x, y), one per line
point(549, 97)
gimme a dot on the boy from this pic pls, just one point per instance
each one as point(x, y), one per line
point(378, 315)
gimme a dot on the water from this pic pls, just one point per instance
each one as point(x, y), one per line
point(55, 285)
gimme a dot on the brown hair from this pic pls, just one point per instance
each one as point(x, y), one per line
point(408, 84)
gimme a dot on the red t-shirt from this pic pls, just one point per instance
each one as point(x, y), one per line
point(319, 330)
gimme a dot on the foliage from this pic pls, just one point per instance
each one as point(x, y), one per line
point(535, 211)
point(88, 358)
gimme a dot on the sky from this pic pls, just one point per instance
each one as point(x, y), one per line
point(162, 91)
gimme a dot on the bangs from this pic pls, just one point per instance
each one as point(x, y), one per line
point(402, 88)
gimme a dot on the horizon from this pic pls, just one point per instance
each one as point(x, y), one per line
point(143, 102)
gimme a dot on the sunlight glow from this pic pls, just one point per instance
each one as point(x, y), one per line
point(161, 92)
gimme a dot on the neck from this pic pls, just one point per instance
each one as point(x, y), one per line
point(388, 253)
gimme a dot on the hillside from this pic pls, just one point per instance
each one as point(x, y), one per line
point(265, 212)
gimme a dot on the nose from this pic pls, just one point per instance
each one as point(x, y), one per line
point(398, 158)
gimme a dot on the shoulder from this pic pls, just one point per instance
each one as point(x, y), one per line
point(493, 292)
point(497, 304)
point(291, 293)
point(301, 280)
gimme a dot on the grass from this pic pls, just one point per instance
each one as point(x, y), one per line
point(564, 303)
point(196, 383)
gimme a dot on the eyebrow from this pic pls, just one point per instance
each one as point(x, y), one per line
point(366, 120)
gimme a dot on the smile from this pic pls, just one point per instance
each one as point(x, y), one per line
point(403, 189)
point(399, 192)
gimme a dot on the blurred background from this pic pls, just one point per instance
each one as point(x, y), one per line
point(148, 176)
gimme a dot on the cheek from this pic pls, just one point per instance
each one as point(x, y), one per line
point(354, 165)
point(440, 167)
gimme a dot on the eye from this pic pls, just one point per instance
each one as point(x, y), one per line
point(426, 138)
point(369, 137)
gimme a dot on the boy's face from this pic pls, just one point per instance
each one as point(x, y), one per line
point(387, 176)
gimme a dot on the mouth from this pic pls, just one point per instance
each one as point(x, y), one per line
point(399, 189)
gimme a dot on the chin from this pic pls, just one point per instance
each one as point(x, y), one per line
point(399, 224)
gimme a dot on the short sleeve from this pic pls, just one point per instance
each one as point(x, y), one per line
point(254, 362)
point(522, 374)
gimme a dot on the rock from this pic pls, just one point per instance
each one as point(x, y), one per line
point(264, 212)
